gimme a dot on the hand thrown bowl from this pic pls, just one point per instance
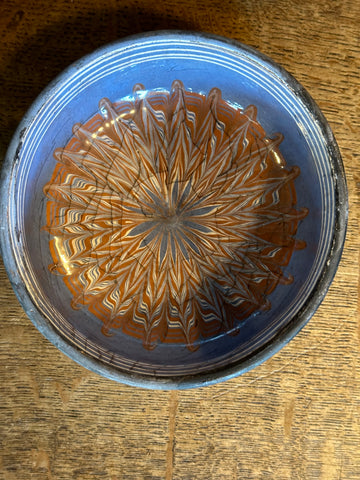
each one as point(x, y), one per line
point(173, 210)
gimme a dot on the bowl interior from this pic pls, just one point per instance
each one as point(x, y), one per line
point(200, 64)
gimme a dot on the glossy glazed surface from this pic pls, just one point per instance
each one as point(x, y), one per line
point(172, 216)
point(244, 78)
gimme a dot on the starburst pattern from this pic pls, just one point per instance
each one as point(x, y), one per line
point(172, 215)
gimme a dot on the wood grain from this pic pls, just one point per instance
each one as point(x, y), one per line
point(297, 416)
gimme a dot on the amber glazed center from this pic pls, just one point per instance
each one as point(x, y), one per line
point(172, 215)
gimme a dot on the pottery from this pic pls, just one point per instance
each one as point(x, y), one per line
point(173, 210)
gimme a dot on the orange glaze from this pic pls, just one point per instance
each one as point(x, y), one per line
point(173, 216)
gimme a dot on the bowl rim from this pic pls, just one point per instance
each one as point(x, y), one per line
point(284, 335)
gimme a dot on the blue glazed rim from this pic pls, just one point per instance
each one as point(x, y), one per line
point(284, 335)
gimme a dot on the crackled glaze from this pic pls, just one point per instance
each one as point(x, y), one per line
point(172, 215)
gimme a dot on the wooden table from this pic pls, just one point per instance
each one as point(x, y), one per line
point(297, 416)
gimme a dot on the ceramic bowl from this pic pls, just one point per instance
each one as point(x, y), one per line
point(173, 210)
